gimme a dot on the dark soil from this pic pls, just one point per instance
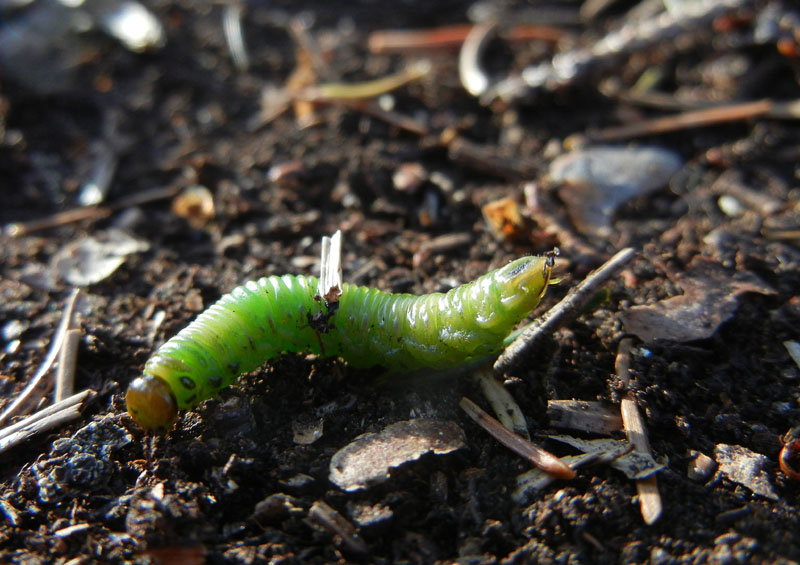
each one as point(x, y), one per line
point(185, 117)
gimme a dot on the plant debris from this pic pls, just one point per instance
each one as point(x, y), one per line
point(301, 120)
point(634, 464)
point(369, 459)
point(91, 259)
point(745, 467)
point(710, 297)
point(516, 443)
point(584, 416)
point(596, 181)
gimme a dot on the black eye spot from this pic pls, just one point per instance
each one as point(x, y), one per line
point(216, 381)
point(188, 383)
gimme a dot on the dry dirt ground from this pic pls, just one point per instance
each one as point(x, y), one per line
point(99, 489)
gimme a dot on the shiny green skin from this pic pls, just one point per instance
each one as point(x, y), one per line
point(262, 319)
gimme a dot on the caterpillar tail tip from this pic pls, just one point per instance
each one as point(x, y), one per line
point(151, 404)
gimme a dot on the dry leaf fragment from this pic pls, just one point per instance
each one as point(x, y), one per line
point(745, 467)
point(598, 180)
point(710, 297)
point(369, 459)
point(91, 259)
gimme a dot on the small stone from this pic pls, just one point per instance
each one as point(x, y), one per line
point(701, 467)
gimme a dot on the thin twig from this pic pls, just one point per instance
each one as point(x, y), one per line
point(17, 229)
point(519, 445)
point(385, 42)
point(391, 117)
point(558, 315)
point(686, 120)
point(649, 497)
point(731, 182)
point(51, 417)
point(67, 362)
point(440, 244)
point(485, 159)
point(415, 41)
point(330, 91)
point(28, 396)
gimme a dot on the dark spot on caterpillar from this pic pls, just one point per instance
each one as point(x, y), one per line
point(251, 342)
point(188, 383)
point(216, 381)
point(320, 322)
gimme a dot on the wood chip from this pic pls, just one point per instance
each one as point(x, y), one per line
point(583, 415)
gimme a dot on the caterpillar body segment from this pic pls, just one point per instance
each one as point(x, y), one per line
point(262, 319)
point(439, 330)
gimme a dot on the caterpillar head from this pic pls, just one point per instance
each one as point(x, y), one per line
point(151, 403)
point(523, 282)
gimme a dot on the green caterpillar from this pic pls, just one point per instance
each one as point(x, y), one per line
point(366, 327)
